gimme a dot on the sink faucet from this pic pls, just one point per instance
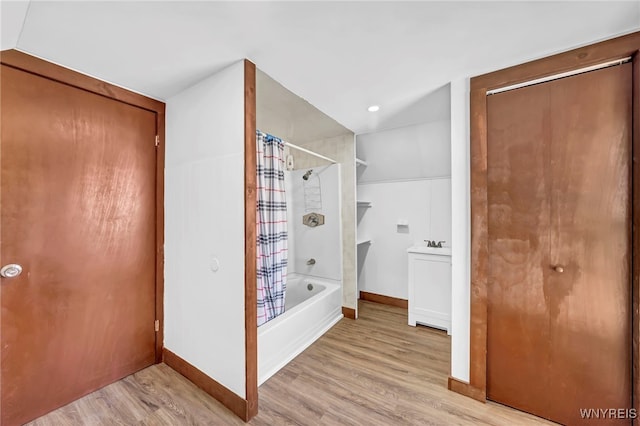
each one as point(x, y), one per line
point(432, 243)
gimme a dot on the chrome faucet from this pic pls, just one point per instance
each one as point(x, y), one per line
point(311, 262)
point(432, 243)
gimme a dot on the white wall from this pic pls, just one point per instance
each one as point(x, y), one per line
point(322, 243)
point(406, 178)
point(426, 206)
point(412, 152)
point(460, 237)
point(204, 199)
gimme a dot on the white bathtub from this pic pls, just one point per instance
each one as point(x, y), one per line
point(312, 307)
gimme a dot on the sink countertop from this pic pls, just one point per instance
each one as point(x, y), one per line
point(444, 251)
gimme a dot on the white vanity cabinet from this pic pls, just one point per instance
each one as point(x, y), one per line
point(430, 287)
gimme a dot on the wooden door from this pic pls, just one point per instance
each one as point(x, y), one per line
point(559, 193)
point(78, 213)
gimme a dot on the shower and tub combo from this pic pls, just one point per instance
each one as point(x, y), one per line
point(312, 306)
point(300, 264)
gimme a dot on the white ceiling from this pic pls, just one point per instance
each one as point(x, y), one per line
point(339, 56)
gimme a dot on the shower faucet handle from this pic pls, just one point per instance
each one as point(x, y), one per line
point(311, 261)
point(313, 219)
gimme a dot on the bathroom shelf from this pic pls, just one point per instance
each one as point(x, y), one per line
point(364, 203)
point(364, 242)
point(360, 162)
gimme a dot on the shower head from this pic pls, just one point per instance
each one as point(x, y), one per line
point(307, 174)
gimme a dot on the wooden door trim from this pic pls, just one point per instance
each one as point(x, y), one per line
point(160, 154)
point(250, 249)
point(635, 236)
point(40, 67)
point(16, 59)
point(609, 50)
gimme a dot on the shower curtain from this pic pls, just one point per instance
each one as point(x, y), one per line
point(271, 230)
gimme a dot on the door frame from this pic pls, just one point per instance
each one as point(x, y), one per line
point(24, 62)
point(602, 52)
point(250, 244)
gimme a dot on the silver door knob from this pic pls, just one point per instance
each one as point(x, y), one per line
point(558, 268)
point(11, 270)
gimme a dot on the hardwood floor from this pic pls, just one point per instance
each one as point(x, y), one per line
point(373, 371)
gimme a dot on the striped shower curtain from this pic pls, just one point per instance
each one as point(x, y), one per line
point(271, 221)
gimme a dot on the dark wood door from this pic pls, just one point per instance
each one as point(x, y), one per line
point(559, 167)
point(78, 213)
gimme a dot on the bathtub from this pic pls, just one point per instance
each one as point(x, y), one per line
point(312, 307)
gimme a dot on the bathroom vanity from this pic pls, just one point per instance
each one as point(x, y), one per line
point(430, 287)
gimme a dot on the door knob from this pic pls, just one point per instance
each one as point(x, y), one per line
point(558, 268)
point(11, 270)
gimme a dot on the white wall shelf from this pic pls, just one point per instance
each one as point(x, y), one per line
point(360, 162)
point(364, 203)
point(364, 242)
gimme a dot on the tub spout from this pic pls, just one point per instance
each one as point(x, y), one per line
point(311, 262)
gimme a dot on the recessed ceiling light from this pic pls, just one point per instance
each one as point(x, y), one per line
point(373, 108)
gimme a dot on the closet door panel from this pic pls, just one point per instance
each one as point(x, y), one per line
point(518, 190)
point(588, 292)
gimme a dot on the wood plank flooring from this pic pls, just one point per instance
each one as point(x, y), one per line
point(373, 371)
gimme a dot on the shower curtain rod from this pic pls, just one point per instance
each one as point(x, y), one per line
point(290, 145)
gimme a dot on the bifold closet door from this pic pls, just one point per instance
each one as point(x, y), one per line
point(559, 164)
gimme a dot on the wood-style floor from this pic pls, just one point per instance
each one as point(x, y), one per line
point(373, 371)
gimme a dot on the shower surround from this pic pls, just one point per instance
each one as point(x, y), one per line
point(322, 243)
point(313, 296)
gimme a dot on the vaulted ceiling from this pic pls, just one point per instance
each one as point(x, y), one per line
point(339, 56)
